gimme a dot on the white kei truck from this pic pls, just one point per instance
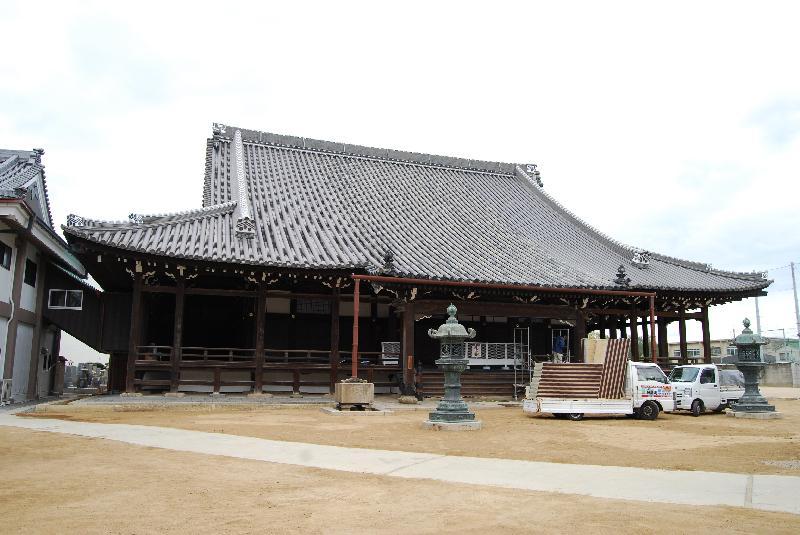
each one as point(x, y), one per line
point(701, 387)
point(647, 392)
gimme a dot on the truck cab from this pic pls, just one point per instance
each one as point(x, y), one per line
point(705, 387)
point(647, 385)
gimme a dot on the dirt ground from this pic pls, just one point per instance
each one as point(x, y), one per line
point(712, 442)
point(61, 484)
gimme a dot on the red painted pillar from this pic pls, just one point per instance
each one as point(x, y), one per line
point(356, 297)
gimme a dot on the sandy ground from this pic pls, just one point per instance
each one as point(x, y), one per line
point(712, 442)
point(61, 484)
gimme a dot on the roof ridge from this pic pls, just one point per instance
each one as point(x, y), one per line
point(137, 220)
point(221, 131)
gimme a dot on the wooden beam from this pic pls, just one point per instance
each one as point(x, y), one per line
point(634, 334)
point(663, 342)
point(480, 308)
point(408, 346)
point(133, 337)
point(177, 335)
point(261, 318)
point(645, 339)
point(579, 333)
point(682, 335)
point(623, 312)
point(706, 336)
point(335, 337)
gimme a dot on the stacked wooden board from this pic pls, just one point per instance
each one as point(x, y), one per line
point(583, 381)
point(614, 366)
point(552, 380)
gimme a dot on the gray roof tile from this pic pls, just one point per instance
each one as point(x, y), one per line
point(319, 204)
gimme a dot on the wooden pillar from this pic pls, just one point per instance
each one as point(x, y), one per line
point(408, 346)
point(612, 327)
point(578, 334)
point(634, 321)
point(292, 321)
point(391, 325)
point(261, 318)
point(356, 303)
point(133, 337)
point(646, 339)
point(177, 334)
point(16, 295)
point(36, 342)
point(601, 325)
point(373, 324)
point(706, 335)
point(682, 335)
point(663, 343)
point(623, 328)
point(334, 338)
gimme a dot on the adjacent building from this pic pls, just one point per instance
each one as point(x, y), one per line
point(31, 253)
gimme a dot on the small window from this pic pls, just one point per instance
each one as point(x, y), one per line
point(66, 299)
point(30, 273)
point(731, 351)
point(716, 351)
point(676, 353)
point(5, 256)
point(707, 376)
point(693, 352)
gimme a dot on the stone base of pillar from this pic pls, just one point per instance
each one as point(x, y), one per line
point(131, 395)
point(467, 425)
point(259, 395)
point(408, 400)
point(174, 394)
point(755, 415)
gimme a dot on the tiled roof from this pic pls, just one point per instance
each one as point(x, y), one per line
point(317, 204)
point(17, 168)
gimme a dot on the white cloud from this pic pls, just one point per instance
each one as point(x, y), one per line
point(673, 128)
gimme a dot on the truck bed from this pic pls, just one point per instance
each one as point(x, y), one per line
point(585, 406)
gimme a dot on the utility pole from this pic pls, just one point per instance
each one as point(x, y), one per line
point(796, 309)
point(758, 318)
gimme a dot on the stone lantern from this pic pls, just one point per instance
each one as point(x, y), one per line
point(749, 362)
point(452, 413)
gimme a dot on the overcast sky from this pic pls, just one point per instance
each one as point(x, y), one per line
point(675, 128)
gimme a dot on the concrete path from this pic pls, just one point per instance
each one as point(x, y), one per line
point(772, 493)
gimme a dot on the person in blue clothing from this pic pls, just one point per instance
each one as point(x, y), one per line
point(558, 348)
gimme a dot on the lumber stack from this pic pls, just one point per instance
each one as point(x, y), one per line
point(552, 380)
point(614, 366)
point(604, 379)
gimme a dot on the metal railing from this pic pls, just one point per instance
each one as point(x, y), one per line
point(495, 354)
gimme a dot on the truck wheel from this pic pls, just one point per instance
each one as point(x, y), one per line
point(648, 411)
point(575, 416)
point(697, 408)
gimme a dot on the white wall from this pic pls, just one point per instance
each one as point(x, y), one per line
point(22, 362)
point(3, 333)
point(7, 275)
point(28, 298)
